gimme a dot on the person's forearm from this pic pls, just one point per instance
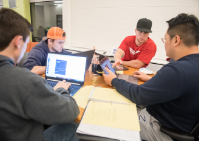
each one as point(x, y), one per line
point(133, 63)
point(117, 56)
point(39, 69)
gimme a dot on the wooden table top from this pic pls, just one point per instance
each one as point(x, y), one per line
point(101, 82)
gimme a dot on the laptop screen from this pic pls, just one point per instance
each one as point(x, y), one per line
point(66, 67)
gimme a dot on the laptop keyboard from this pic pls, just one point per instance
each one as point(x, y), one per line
point(72, 89)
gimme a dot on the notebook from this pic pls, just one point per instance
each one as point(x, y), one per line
point(89, 55)
point(109, 114)
point(105, 63)
point(61, 67)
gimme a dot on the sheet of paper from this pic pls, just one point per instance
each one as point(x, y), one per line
point(109, 132)
point(119, 72)
point(114, 115)
point(106, 94)
point(82, 96)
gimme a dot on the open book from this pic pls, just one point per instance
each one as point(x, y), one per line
point(111, 115)
point(109, 95)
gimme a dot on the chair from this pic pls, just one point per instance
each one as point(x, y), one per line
point(20, 64)
point(182, 136)
point(30, 45)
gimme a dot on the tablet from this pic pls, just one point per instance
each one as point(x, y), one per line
point(105, 63)
point(124, 68)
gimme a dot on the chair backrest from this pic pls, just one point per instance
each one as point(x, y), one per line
point(20, 64)
point(30, 45)
point(195, 131)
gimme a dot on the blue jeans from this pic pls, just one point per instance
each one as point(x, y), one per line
point(61, 132)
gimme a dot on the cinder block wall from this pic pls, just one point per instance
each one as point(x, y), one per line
point(105, 23)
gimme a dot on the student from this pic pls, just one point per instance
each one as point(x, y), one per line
point(172, 95)
point(36, 61)
point(27, 102)
point(138, 50)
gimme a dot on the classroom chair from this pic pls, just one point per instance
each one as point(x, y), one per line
point(30, 45)
point(20, 64)
point(182, 136)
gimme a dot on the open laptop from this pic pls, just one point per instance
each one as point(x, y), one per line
point(105, 63)
point(61, 67)
point(88, 54)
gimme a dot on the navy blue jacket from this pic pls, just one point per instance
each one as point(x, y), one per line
point(172, 95)
point(38, 56)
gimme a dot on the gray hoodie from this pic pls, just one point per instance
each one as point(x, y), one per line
point(27, 102)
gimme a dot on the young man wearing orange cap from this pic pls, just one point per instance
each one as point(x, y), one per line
point(36, 61)
point(138, 50)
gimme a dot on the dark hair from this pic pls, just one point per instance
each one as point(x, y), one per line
point(11, 25)
point(187, 27)
point(46, 41)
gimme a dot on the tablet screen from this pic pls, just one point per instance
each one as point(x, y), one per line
point(105, 63)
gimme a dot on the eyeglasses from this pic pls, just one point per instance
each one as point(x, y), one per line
point(163, 39)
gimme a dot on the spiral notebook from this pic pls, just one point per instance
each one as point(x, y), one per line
point(111, 115)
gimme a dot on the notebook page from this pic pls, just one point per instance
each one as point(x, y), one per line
point(114, 115)
point(82, 96)
point(119, 72)
point(111, 95)
point(109, 132)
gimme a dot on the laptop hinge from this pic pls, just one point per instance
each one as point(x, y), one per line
point(52, 79)
point(66, 81)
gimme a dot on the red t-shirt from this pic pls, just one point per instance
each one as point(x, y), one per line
point(144, 53)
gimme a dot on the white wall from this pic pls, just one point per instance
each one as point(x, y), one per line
point(105, 23)
point(54, 11)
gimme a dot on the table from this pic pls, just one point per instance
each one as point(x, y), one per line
point(101, 83)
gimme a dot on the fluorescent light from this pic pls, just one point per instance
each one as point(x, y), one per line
point(58, 2)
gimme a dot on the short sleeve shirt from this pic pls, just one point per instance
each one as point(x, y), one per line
point(144, 53)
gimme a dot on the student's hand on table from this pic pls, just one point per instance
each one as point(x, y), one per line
point(109, 78)
point(117, 63)
point(141, 75)
point(62, 84)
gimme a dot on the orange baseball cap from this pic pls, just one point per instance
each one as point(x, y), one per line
point(56, 33)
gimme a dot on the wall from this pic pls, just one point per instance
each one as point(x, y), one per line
point(39, 13)
point(47, 14)
point(40, 21)
point(54, 11)
point(22, 7)
point(106, 23)
point(33, 19)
